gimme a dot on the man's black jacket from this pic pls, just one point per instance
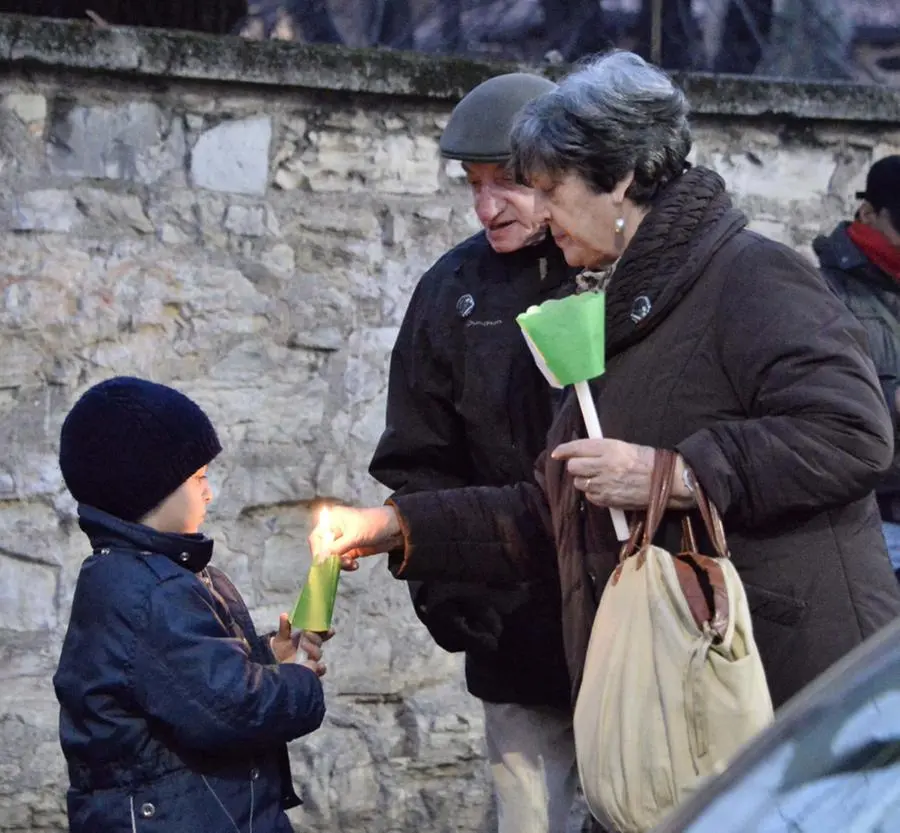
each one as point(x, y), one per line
point(468, 407)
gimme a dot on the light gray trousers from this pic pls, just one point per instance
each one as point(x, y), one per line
point(532, 757)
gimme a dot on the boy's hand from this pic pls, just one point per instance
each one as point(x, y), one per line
point(286, 644)
point(310, 645)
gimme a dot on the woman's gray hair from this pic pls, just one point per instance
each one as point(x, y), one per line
point(615, 115)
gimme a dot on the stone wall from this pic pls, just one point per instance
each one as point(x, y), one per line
point(247, 221)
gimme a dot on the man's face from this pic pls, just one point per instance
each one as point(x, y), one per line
point(880, 220)
point(504, 208)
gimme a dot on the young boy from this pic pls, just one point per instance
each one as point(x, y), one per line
point(175, 714)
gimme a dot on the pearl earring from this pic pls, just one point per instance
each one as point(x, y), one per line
point(620, 234)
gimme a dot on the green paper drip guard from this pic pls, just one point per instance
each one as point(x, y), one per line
point(315, 606)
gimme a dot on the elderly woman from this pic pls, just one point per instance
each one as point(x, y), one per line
point(721, 345)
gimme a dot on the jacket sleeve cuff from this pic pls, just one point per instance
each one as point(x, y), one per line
point(479, 534)
point(711, 468)
point(416, 513)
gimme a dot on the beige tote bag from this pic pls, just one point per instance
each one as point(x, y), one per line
point(673, 684)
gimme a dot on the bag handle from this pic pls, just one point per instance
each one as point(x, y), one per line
point(712, 520)
point(660, 490)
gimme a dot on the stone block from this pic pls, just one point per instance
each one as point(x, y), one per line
point(287, 180)
point(48, 209)
point(337, 217)
point(438, 212)
point(454, 170)
point(780, 175)
point(119, 210)
point(407, 165)
point(31, 108)
point(22, 360)
point(233, 157)
point(172, 235)
point(849, 177)
point(21, 151)
point(280, 258)
point(27, 595)
point(136, 141)
point(251, 221)
point(393, 164)
point(888, 148)
point(285, 556)
point(38, 473)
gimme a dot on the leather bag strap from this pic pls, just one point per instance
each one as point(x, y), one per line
point(660, 490)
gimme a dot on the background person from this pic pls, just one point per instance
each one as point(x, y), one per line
point(467, 407)
point(861, 263)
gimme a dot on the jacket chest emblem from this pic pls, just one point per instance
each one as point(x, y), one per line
point(465, 305)
point(640, 309)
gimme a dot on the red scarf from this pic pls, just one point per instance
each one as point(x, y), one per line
point(876, 247)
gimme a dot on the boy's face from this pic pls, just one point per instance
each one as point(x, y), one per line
point(184, 510)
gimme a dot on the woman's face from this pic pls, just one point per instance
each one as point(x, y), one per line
point(583, 222)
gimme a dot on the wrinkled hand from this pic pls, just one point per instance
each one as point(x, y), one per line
point(612, 473)
point(609, 472)
point(287, 644)
point(362, 532)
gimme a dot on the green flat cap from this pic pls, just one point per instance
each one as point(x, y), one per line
point(479, 126)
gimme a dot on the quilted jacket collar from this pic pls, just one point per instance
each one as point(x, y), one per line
point(108, 532)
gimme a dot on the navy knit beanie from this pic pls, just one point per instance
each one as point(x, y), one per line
point(127, 444)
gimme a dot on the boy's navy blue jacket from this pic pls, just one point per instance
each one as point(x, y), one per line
point(174, 713)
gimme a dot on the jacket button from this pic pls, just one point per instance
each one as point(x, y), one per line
point(254, 773)
point(183, 558)
point(148, 810)
point(104, 551)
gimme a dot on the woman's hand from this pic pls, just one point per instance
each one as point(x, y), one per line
point(617, 474)
point(361, 532)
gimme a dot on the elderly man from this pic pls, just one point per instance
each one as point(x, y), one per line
point(861, 263)
point(467, 407)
